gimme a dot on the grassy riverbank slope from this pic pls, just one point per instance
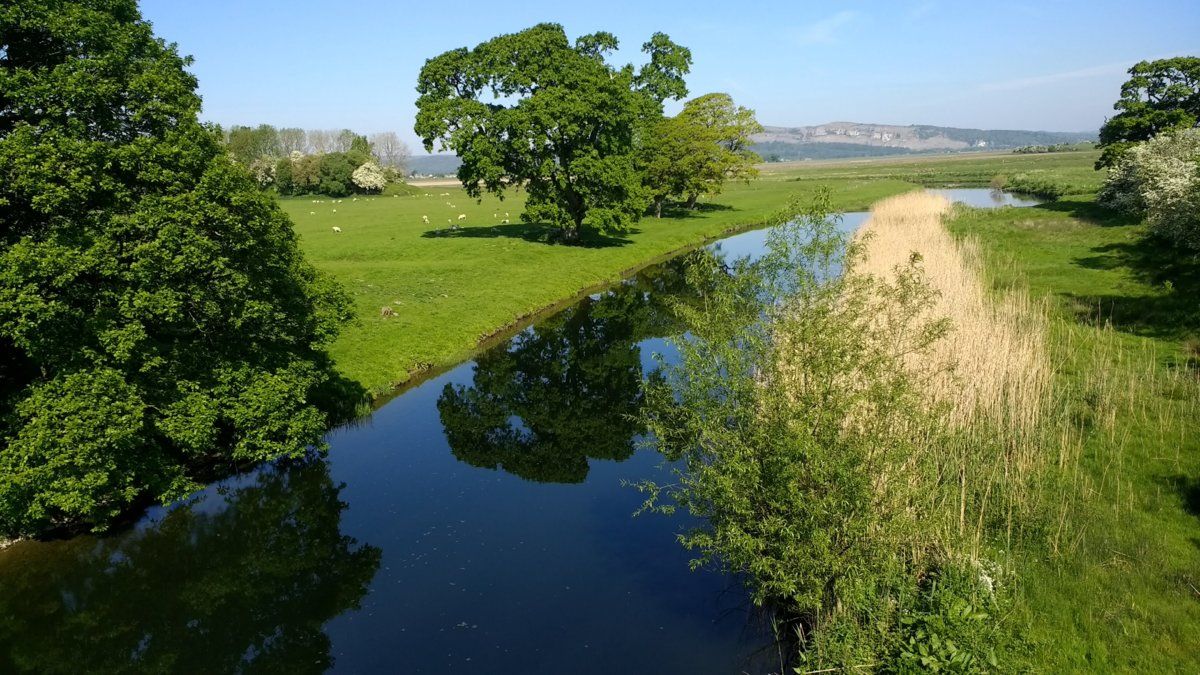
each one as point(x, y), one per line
point(1120, 592)
point(450, 291)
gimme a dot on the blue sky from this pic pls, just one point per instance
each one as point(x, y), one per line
point(1046, 64)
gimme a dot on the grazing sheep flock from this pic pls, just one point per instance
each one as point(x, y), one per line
point(453, 222)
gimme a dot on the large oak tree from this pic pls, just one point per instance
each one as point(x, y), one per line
point(532, 110)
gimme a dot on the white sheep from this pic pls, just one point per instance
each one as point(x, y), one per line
point(493, 216)
point(335, 210)
point(445, 194)
point(312, 213)
point(425, 219)
point(504, 222)
point(336, 229)
point(462, 216)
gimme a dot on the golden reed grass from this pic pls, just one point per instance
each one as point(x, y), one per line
point(988, 380)
point(994, 365)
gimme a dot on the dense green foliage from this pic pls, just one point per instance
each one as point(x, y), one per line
point(1159, 180)
point(568, 136)
point(156, 315)
point(695, 152)
point(1159, 95)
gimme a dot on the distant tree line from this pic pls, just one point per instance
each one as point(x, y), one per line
point(1056, 147)
point(318, 161)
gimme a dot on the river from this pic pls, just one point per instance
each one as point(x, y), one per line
point(478, 523)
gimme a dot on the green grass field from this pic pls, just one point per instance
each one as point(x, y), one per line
point(450, 291)
point(1123, 595)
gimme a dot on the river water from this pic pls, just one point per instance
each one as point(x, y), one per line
point(477, 523)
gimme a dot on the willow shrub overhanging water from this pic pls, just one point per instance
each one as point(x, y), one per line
point(820, 466)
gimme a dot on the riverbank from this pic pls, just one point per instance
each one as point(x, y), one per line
point(1119, 591)
point(451, 292)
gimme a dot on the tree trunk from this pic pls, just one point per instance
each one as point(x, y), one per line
point(658, 208)
point(691, 202)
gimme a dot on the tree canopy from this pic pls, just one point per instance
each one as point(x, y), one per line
point(699, 149)
point(156, 315)
point(1159, 95)
point(558, 121)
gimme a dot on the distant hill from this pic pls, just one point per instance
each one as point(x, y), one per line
point(853, 139)
point(434, 165)
point(845, 140)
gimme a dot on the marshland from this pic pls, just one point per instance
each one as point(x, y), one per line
point(586, 367)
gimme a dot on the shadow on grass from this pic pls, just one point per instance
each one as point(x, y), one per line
point(1088, 211)
point(1188, 490)
point(1168, 307)
point(682, 211)
point(535, 233)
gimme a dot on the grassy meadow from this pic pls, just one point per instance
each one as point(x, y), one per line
point(1118, 586)
point(451, 290)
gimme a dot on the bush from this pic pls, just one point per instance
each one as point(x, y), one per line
point(1038, 186)
point(369, 178)
point(1159, 180)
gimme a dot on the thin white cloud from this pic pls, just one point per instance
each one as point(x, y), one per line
point(1052, 78)
point(824, 31)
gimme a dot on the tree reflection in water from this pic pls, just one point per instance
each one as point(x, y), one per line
point(243, 580)
point(568, 389)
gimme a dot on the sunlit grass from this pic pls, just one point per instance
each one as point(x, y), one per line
point(451, 289)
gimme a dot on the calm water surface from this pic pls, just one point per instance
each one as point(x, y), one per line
point(477, 523)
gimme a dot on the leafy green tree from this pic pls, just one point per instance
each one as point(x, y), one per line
point(306, 174)
point(560, 122)
point(360, 150)
point(247, 144)
point(1159, 95)
point(242, 582)
point(156, 316)
point(729, 127)
point(696, 151)
point(335, 174)
point(672, 158)
point(284, 177)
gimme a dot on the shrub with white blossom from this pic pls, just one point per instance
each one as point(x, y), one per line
point(1160, 181)
point(370, 177)
point(263, 170)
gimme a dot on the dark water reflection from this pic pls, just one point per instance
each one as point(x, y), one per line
point(476, 523)
point(244, 579)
